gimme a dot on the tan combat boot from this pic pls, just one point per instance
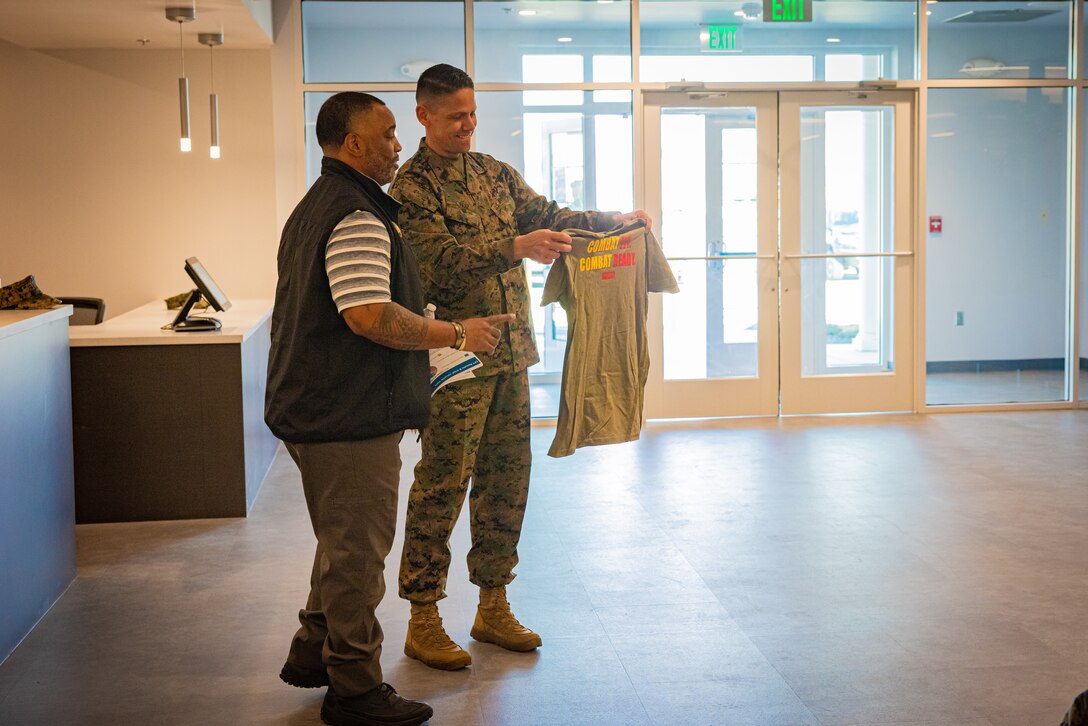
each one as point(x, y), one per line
point(427, 640)
point(496, 624)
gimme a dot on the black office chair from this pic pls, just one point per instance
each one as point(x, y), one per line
point(87, 310)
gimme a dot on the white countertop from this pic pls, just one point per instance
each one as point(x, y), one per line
point(13, 322)
point(143, 326)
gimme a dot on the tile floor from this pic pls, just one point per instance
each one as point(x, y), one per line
point(845, 570)
point(999, 387)
point(941, 389)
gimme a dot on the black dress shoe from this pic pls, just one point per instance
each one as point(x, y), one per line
point(299, 677)
point(378, 707)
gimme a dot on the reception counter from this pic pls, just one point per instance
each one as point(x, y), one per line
point(170, 425)
point(37, 527)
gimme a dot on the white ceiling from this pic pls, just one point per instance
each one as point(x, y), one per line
point(47, 24)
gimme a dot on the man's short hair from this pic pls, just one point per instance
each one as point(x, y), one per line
point(334, 118)
point(441, 80)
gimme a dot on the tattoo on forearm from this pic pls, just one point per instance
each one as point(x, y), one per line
point(399, 328)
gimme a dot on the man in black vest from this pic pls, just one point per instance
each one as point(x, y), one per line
point(348, 373)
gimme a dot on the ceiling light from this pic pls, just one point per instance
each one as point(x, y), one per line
point(211, 40)
point(526, 12)
point(983, 67)
point(179, 16)
point(834, 40)
point(564, 39)
point(750, 11)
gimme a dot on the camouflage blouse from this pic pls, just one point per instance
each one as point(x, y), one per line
point(460, 216)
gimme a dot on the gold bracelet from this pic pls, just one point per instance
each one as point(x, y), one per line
point(458, 335)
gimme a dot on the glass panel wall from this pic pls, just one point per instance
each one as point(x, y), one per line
point(997, 171)
point(997, 168)
point(981, 40)
point(569, 41)
point(368, 42)
point(731, 41)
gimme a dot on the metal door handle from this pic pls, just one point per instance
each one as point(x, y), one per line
point(727, 256)
point(822, 256)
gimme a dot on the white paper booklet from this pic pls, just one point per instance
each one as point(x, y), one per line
point(448, 365)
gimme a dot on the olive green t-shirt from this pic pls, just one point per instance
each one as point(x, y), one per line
point(602, 284)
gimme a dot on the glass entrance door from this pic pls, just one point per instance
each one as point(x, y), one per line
point(787, 220)
point(846, 260)
point(712, 185)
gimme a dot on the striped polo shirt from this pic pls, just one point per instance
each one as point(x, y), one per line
point(357, 261)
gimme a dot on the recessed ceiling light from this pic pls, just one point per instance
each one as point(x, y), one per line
point(834, 40)
point(526, 12)
point(750, 11)
point(564, 39)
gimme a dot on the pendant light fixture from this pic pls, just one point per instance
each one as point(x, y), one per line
point(182, 15)
point(211, 40)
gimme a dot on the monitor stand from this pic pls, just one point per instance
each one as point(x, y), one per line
point(184, 324)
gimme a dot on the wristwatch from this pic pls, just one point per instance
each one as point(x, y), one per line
point(458, 335)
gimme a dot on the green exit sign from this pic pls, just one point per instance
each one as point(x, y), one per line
point(719, 38)
point(787, 11)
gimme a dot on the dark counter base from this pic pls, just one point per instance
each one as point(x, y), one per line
point(169, 431)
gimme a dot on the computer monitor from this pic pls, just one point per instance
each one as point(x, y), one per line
point(206, 287)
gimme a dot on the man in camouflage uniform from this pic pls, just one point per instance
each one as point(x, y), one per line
point(471, 220)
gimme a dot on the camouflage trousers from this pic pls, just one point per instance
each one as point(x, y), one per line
point(480, 431)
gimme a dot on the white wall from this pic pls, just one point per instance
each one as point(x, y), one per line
point(1083, 353)
point(97, 198)
point(1084, 303)
point(999, 185)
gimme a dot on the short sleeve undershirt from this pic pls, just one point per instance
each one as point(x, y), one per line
point(357, 261)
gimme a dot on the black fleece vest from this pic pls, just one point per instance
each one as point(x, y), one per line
point(324, 382)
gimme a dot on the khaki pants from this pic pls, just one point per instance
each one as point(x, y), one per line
point(351, 493)
point(480, 431)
